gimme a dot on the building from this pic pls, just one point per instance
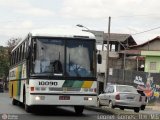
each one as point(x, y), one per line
point(117, 43)
point(151, 52)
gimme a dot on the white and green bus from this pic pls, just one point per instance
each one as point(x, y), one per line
point(56, 68)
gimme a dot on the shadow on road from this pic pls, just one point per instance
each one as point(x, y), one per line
point(53, 111)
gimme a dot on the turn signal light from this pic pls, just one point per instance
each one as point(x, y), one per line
point(32, 88)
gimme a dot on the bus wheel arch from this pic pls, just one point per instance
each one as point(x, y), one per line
point(12, 91)
point(26, 107)
point(23, 94)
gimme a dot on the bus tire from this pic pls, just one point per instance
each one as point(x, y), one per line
point(14, 102)
point(79, 109)
point(26, 107)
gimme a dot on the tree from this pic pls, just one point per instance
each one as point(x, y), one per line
point(5, 58)
point(12, 43)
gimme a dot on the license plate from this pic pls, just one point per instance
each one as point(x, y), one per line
point(64, 97)
point(130, 98)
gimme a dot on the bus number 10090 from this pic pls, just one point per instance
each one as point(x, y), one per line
point(48, 83)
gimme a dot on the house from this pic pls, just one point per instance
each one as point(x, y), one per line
point(151, 51)
point(117, 43)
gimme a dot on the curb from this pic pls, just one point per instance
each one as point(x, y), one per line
point(97, 109)
point(157, 108)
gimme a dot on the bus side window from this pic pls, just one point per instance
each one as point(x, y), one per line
point(15, 57)
point(23, 53)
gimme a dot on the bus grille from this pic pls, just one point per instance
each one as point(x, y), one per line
point(62, 89)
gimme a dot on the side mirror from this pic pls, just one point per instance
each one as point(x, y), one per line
point(99, 59)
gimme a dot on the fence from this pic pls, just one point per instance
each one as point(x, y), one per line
point(149, 82)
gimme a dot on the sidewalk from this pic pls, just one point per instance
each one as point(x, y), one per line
point(106, 110)
point(155, 107)
point(99, 109)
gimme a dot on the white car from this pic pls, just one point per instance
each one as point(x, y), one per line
point(121, 96)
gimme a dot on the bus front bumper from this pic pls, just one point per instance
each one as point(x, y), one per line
point(62, 99)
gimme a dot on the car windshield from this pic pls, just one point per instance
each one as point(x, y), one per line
point(125, 89)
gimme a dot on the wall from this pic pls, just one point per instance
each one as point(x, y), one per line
point(148, 82)
point(149, 59)
point(130, 64)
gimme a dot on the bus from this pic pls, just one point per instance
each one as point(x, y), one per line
point(54, 68)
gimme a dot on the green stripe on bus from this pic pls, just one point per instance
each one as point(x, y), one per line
point(68, 83)
point(78, 84)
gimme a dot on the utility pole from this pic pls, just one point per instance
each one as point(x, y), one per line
point(107, 56)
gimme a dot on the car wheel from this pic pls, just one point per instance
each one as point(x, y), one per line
point(143, 107)
point(136, 110)
point(111, 105)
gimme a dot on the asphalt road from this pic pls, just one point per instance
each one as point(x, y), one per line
point(45, 113)
point(60, 113)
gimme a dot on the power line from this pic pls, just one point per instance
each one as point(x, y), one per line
point(145, 15)
point(146, 31)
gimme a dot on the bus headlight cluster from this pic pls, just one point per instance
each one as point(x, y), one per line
point(88, 98)
point(37, 98)
point(40, 88)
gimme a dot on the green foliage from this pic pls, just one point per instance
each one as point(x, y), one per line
point(5, 57)
point(4, 61)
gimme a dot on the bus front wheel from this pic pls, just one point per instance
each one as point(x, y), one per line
point(79, 109)
point(26, 107)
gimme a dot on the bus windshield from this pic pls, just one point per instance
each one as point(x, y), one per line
point(80, 58)
point(60, 56)
point(49, 56)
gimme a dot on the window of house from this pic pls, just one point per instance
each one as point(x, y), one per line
point(152, 65)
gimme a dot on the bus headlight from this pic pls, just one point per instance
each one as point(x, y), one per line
point(88, 98)
point(37, 98)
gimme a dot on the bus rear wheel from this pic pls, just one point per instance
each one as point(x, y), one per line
point(79, 109)
point(14, 102)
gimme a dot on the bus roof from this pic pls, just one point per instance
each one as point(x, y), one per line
point(64, 33)
point(71, 33)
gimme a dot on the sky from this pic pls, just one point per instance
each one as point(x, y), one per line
point(19, 17)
